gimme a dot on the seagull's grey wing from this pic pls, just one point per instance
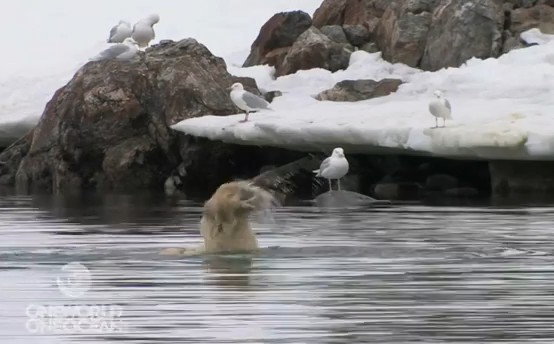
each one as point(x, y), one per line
point(324, 165)
point(253, 101)
point(113, 51)
point(447, 103)
point(113, 31)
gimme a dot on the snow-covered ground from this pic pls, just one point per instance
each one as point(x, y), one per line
point(502, 108)
point(46, 42)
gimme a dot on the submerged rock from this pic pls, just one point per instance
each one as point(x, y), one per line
point(355, 90)
point(345, 199)
point(108, 128)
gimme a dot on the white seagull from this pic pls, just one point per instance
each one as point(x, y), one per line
point(121, 51)
point(247, 101)
point(334, 167)
point(119, 32)
point(440, 108)
point(143, 30)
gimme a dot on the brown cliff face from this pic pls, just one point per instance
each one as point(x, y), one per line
point(108, 128)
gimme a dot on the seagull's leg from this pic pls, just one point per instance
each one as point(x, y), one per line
point(338, 184)
point(330, 187)
point(436, 122)
point(245, 117)
point(444, 122)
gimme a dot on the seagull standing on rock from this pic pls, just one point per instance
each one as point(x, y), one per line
point(440, 108)
point(334, 167)
point(121, 51)
point(247, 101)
point(143, 30)
point(119, 32)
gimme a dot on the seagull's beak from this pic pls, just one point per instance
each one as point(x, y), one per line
point(229, 88)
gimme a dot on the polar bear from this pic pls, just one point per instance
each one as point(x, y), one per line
point(225, 224)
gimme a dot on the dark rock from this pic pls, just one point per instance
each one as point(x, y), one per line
point(369, 47)
point(402, 31)
point(11, 132)
point(108, 128)
point(339, 199)
point(314, 50)
point(335, 33)
point(462, 29)
point(355, 90)
point(276, 56)
point(521, 3)
point(397, 191)
point(356, 34)
point(440, 182)
point(511, 42)
point(351, 12)
point(523, 19)
point(11, 157)
point(462, 192)
point(269, 96)
point(521, 177)
point(331, 12)
point(279, 31)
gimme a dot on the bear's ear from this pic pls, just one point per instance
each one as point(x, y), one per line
point(218, 212)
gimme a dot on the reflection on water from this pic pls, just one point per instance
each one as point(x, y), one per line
point(397, 274)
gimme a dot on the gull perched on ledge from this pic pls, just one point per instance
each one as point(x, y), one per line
point(247, 101)
point(143, 30)
point(119, 32)
point(334, 167)
point(121, 51)
point(440, 108)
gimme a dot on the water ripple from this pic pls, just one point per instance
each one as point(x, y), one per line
point(400, 274)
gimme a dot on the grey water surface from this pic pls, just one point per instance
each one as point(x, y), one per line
point(404, 273)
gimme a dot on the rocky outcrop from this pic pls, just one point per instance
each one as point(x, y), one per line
point(463, 29)
point(335, 33)
point(541, 16)
point(314, 50)
point(433, 34)
point(355, 90)
point(278, 33)
point(350, 12)
point(402, 31)
point(108, 128)
point(330, 12)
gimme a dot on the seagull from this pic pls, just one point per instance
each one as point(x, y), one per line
point(143, 30)
point(121, 51)
point(247, 101)
point(440, 107)
point(119, 32)
point(334, 167)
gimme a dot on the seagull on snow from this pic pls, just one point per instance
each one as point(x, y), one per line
point(120, 31)
point(121, 51)
point(247, 101)
point(440, 108)
point(334, 167)
point(143, 30)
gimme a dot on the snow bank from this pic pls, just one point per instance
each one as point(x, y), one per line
point(502, 108)
point(48, 41)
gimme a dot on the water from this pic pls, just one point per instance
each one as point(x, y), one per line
point(399, 274)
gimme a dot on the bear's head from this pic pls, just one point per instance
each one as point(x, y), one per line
point(236, 200)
